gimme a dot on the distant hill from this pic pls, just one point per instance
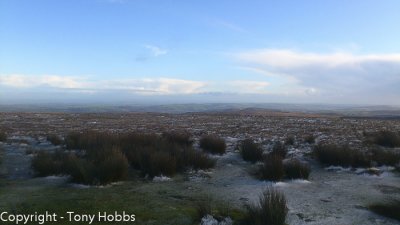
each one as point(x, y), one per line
point(276, 109)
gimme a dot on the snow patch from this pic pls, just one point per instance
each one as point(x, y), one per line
point(210, 220)
point(161, 178)
point(337, 168)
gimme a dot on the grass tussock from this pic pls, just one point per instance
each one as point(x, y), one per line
point(310, 139)
point(54, 139)
point(90, 140)
point(113, 167)
point(384, 138)
point(250, 150)
point(163, 156)
point(213, 144)
point(152, 154)
point(178, 137)
point(105, 157)
point(3, 136)
point(270, 210)
point(295, 169)
point(204, 207)
point(46, 164)
point(272, 168)
point(335, 155)
point(279, 149)
point(389, 209)
point(385, 157)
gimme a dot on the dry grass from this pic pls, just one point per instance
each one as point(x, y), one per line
point(152, 154)
point(270, 210)
point(295, 169)
point(385, 157)
point(272, 168)
point(213, 144)
point(250, 150)
point(341, 156)
point(385, 138)
point(112, 167)
point(46, 164)
point(279, 149)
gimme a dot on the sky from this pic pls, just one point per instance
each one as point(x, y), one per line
point(164, 51)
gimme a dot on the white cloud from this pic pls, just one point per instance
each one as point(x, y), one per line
point(156, 51)
point(23, 81)
point(84, 85)
point(141, 86)
point(334, 75)
point(154, 85)
point(283, 58)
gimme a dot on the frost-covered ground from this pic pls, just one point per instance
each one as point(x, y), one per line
point(330, 196)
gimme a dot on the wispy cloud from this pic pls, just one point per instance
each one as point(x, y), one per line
point(337, 74)
point(156, 51)
point(23, 81)
point(141, 86)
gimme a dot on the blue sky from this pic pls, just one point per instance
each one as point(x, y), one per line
point(200, 51)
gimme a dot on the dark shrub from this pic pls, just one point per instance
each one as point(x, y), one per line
point(213, 144)
point(54, 139)
point(289, 140)
point(294, 169)
point(270, 210)
point(272, 168)
point(310, 139)
point(279, 149)
point(386, 139)
point(250, 151)
point(341, 156)
point(385, 157)
point(3, 136)
point(389, 209)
